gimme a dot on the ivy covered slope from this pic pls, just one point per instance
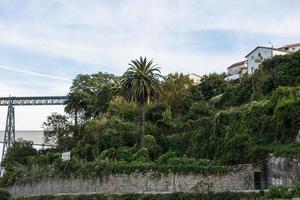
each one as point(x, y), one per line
point(142, 121)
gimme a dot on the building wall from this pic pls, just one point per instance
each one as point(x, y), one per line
point(278, 53)
point(240, 179)
point(236, 72)
point(292, 49)
point(233, 77)
point(256, 58)
point(195, 78)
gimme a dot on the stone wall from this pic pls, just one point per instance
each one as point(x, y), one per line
point(283, 171)
point(240, 179)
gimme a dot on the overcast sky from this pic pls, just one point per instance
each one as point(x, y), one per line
point(45, 44)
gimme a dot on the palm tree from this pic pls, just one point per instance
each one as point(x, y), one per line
point(140, 83)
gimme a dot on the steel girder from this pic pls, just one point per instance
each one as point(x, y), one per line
point(9, 134)
point(23, 101)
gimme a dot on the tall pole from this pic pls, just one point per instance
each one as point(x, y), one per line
point(9, 134)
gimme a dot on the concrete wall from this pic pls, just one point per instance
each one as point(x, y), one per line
point(283, 171)
point(240, 179)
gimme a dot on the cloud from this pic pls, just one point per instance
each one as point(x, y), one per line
point(189, 36)
point(34, 73)
point(111, 33)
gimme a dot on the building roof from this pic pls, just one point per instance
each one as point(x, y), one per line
point(289, 46)
point(237, 64)
point(265, 48)
point(194, 75)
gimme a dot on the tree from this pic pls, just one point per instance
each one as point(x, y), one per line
point(19, 152)
point(212, 85)
point(283, 70)
point(141, 83)
point(175, 88)
point(57, 131)
point(90, 94)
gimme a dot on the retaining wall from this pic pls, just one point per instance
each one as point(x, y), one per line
point(240, 179)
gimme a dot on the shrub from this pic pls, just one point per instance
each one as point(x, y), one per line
point(4, 195)
point(165, 157)
point(152, 147)
point(141, 155)
point(172, 196)
point(279, 192)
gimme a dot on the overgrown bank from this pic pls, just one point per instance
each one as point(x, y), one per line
point(201, 128)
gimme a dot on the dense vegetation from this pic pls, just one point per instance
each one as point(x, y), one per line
point(174, 196)
point(142, 121)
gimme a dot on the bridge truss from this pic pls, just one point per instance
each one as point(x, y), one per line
point(9, 133)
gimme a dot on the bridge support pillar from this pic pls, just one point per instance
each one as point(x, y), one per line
point(9, 134)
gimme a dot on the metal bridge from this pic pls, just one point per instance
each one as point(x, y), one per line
point(9, 134)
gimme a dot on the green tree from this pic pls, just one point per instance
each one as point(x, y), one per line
point(141, 83)
point(278, 71)
point(19, 152)
point(90, 94)
point(212, 85)
point(57, 131)
point(175, 88)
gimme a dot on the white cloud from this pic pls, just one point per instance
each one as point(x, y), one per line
point(110, 33)
point(17, 70)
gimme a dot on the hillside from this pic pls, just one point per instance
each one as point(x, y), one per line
point(205, 127)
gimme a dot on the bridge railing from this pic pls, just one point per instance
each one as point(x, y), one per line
point(37, 100)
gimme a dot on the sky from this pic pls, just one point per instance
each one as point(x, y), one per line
point(45, 44)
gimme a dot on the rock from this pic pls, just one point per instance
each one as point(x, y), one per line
point(298, 136)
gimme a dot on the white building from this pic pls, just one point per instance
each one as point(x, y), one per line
point(259, 54)
point(237, 70)
point(291, 47)
point(196, 78)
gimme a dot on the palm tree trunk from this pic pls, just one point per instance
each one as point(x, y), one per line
point(76, 118)
point(142, 126)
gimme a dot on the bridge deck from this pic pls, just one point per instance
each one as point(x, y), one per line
point(36, 100)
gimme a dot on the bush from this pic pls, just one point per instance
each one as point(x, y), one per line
point(152, 147)
point(237, 94)
point(165, 157)
point(278, 71)
point(141, 155)
point(4, 195)
point(172, 196)
point(279, 192)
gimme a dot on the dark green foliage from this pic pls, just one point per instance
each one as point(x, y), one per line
point(141, 84)
point(176, 87)
point(212, 85)
point(172, 196)
point(141, 155)
point(152, 147)
point(4, 195)
point(57, 131)
point(278, 71)
point(119, 107)
point(279, 192)
point(199, 128)
point(199, 109)
point(101, 135)
point(90, 95)
point(19, 153)
point(236, 94)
